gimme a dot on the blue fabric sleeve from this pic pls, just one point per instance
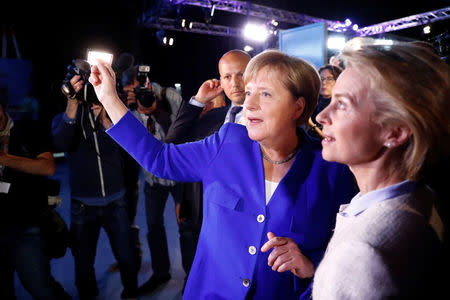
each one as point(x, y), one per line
point(183, 162)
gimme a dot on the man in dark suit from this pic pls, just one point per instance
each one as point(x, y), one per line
point(191, 125)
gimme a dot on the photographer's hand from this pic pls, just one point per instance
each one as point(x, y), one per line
point(131, 96)
point(104, 82)
point(76, 83)
point(72, 104)
point(208, 91)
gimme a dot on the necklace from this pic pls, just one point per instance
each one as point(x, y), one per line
point(279, 162)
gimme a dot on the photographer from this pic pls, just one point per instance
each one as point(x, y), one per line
point(97, 186)
point(25, 161)
point(154, 110)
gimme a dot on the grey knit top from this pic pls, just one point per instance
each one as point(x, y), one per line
point(388, 250)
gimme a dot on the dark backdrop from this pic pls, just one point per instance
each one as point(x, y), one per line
point(52, 34)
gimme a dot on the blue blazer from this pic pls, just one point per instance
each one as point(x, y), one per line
point(236, 218)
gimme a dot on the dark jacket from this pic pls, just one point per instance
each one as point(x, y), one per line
point(95, 161)
point(27, 196)
point(187, 127)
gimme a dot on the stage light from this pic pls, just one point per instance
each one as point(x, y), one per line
point(336, 42)
point(171, 41)
point(274, 22)
point(213, 8)
point(178, 87)
point(191, 24)
point(248, 48)
point(355, 27)
point(347, 22)
point(427, 29)
point(255, 32)
point(183, 23)
point(165, 40)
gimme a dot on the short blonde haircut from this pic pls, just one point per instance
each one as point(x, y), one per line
point(298, 76)
point(410, 86)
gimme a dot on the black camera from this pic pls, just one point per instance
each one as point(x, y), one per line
point(83, 69)
point(145, 96)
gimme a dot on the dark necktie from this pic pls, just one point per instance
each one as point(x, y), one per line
point(151, 125)
point(234, 111)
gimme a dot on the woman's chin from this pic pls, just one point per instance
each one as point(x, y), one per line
point(255, 136)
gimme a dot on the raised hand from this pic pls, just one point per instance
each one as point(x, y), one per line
point(208, 90)
point(286, 256)
point(103, 79)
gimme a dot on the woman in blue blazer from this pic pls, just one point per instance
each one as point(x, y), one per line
point(265, 180)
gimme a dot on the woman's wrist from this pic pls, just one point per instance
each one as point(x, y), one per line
point(115, 108)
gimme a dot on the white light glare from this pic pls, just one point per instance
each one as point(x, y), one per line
point(165, 40)
point(355, 27)
point(347, 22)
point(336, 42)
point(274, 22)
point(427, 29)
point(170, 41)
point(94, 57)
point(382, 42)
point(248, 48)
point(255, 32)
point(183, 23)
point(190, 25)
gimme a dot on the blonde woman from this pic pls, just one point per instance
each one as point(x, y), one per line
point(388, 120)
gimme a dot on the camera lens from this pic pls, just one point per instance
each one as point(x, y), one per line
point(145, 97)
point(67, 89)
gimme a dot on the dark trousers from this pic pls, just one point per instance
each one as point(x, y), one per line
point(155, 202)
point(86, 222)
point(22, 250)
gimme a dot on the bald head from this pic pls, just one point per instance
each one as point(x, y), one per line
point(231, 68)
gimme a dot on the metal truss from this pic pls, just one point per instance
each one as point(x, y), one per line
point(260, 11)
point(268, 13)
point(210, 29)
point(406, 22)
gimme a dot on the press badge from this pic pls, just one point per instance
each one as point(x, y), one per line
point(4, 187)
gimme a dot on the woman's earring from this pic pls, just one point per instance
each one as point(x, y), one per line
point(388, 145)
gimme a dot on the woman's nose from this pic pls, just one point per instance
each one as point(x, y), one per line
point(250, 102)
point(322, 117)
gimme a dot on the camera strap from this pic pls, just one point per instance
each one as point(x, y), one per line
point(97, 149)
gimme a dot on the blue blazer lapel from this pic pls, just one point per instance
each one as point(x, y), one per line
point(259, 173)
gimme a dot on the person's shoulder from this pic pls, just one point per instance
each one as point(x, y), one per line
point(234, 134)
point(213, 117)
point(233, 129)
point(217, 112)
point(398, 219)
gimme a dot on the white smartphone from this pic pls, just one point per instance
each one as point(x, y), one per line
point(94, 56)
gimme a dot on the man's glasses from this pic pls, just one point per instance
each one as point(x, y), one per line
point(327, 79)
